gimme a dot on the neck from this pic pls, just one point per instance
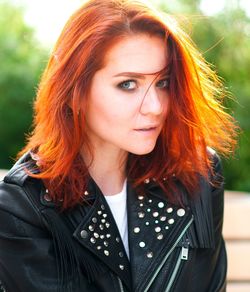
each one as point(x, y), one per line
point(108, 169)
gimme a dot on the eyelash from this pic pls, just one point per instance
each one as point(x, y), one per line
point(120, 85)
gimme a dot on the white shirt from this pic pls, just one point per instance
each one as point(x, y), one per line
point(118, 206)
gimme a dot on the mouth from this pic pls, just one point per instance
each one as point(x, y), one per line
point(147, 129)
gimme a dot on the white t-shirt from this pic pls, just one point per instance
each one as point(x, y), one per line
point(118, 206)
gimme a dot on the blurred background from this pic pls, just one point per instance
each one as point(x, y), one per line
point(29, 28)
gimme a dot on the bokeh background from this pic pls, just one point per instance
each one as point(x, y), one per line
point(29, 28)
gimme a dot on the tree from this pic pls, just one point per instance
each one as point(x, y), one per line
point(21, 59)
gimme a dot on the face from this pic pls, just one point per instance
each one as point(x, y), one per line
point(128, 98)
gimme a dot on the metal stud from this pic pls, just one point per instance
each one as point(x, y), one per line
point(86, 193)
point(94, 220)
point(106, 252)
point(107, 224)
point(117, 239)
point(150, 254)
point(47, 197)
point(147, 180)
point(121, 267)
point(140, 197)
point(150, 200)
point(91, 228)
point(108, 235)
point(142, 244)
point(101, 226)
point(148, 209)
point(163, 218)
point(102, 236)
point(141, 214)
point(155, 214)
point(84, 234)
point(96, 235)
point(92, 240)
point(103, 220)
point(104, 215)
point(121, 254)
point(102, 207)
point(156, 221)
point(136, 229)
point(171, 221)
point(141, 204)
point(99, 212)
point(166, 227)
point(181, 212)
point(99, 247)
point(170, 210)
point(160, 236)
point(157, 229)
point(105, 243)
point(147, 223)
point(160, 204)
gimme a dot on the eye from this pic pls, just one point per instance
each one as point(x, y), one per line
point(164, 83)
point(127, 85)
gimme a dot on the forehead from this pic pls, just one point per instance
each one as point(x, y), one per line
point(137, 53)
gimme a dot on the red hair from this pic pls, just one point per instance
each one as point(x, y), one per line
point(196, 118)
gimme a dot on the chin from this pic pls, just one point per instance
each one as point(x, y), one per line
point(142, 150)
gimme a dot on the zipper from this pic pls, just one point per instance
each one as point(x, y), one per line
point(120, 284)
point(183, 255)
point(168, 254)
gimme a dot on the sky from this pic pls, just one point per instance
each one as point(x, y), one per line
point(49, 16)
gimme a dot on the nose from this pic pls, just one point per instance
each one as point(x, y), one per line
point(152, 102)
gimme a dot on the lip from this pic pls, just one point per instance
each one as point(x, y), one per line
point(147, 128)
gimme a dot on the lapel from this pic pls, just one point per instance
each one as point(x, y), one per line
point(98, 232)
point(155, 226)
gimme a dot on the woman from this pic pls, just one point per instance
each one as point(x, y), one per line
point(118, 188)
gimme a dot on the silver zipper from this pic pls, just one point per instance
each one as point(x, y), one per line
point(168, 254)
point(120, 284)
point(183, 255)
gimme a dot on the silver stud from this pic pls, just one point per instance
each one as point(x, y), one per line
point(84, 234)
point(157, 229)
point(91, 227)
point(156, 221)
point(160, 204)
point(108, 235)
point(136, 230)
point(147, 223)
point(148, 209)
point(103, 220)
point(163, 218)
point(120, 254)
point(160, 236)
point(164, 179)
point(102, 236)
point(171, 221)
point(104, 215)
point(181, 212)
point(141, 204)
point(166, 227)
point(94, 220)
point(106, 252)
point(150, 254)
point(117, 239)
point(99, 212)
point(140, 197)
point(102, 207)
point(92, 240)
point(101, 226)
point(98, 247)
point(96, 235)
point(107, 225)
point(141, 214)
point(142, 244)
point(86, 193)
point(121, 267)
point(147, 180)
point(105, 243)
point(170, 210)
point(150, 200)
point(155, 214)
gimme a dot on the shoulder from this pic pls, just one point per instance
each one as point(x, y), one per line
point(19, 193)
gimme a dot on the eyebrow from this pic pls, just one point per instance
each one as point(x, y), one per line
point(142, 75)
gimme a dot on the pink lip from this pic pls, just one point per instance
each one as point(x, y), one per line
point(147, 128)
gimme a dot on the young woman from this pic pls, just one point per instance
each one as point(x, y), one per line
point(118, 188)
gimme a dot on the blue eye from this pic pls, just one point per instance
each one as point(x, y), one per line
point(127, 85)
point(164, 83)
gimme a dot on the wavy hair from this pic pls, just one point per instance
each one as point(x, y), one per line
point(196, 117)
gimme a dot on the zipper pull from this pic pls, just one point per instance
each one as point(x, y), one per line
point(184, 250)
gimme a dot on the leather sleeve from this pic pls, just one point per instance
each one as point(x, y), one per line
point(25, 247)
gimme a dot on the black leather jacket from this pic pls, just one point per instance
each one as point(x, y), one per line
point(172, 248)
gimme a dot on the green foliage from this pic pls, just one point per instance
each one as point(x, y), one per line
point(21, 60)
point(224, 40)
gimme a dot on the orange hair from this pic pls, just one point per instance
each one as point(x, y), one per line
point(196, 118)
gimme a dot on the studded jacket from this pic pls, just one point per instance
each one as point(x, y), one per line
point(172, 248)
